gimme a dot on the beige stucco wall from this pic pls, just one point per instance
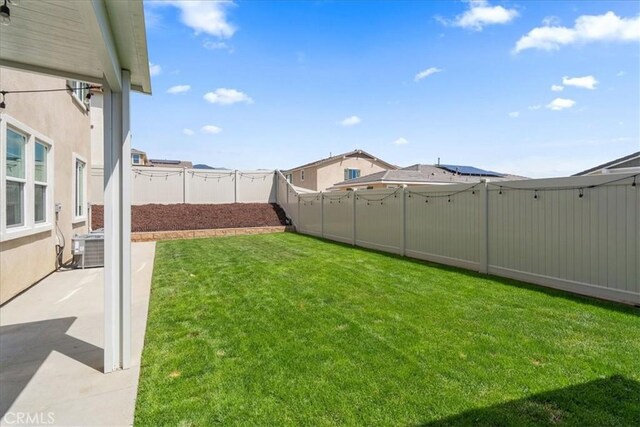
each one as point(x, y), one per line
point(326, 175)
point(26, 260)
point(310, 178)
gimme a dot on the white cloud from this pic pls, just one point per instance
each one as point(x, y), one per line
point(514, 114)
point(217, 45)
point(188, 131)
point(481, 14)
point(401, 141)
point(154, 69)
point(351, 121)
point(620, 73)
point(561, 104)
point(210, 129)
point(557, 88)
point(587, 28)
point(551, 21)
point(224, 96)
point(426, 73)
point(179, 89)
point(534, 107)
point(586, 82)
point(203, 16)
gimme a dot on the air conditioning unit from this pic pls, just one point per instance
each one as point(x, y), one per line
point(88, 249)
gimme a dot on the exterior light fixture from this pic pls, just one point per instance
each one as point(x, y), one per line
point(5, 14)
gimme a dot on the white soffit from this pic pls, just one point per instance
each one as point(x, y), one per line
point(81, 40)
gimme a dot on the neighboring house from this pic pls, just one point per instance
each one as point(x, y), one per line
point(44, 153)
point(322, 174)
point(170, 163)
point(139, 158)
point(626, 164)
point(423, 174)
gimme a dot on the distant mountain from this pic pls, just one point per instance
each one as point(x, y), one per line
point(203, 166)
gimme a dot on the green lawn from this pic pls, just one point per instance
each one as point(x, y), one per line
point(284, 329)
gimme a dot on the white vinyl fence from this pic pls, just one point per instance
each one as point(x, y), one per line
point(196, 186)
point(580, 234)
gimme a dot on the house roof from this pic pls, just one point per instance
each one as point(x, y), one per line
point(83, 40)
point(422, 174)
point(354, 153)
point(614, 163)
point(134, 151)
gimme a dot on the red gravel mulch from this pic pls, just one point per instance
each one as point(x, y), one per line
point(197, 217)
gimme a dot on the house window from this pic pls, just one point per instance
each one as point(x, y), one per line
point(40, 182)
point(16, 177)
point(26, 179)
point(79, 90)
point(351, 173)
point(79, 188)
point(302, 175)
point(136, 159)
point(288, 177)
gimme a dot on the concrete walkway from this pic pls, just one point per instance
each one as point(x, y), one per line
point(51, 350)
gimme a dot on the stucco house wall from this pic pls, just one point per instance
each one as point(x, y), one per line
point(332, 173)
point(65, 122)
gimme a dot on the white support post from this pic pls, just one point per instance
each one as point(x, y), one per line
point(403, 215)
point(117, 224)
point(484, 223)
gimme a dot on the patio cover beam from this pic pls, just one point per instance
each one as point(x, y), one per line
point(96, 15)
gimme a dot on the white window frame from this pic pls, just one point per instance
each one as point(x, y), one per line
point(78, 96)
point(133, 159)
point(29, 226)
point(347, 172)
point(302, 175)
point(75, 218)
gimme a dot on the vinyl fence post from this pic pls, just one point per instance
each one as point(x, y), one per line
point(353, 228)
point(276, 183)
point(184, 186)
point(299, 227)
point(322, 214)
point(235, 186)
point(403, 215)
point(484, 224)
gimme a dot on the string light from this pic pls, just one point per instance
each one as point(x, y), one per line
point(535, 194)
point(3, 104)
point(581, 193)
point(567, 188)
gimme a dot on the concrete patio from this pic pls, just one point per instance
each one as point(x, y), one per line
point(51, 350)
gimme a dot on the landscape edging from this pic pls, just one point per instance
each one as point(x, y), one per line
point(151, 236)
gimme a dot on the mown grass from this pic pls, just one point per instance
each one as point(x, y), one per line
point(284, 329)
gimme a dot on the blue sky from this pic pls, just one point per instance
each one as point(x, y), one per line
point(536, 88)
